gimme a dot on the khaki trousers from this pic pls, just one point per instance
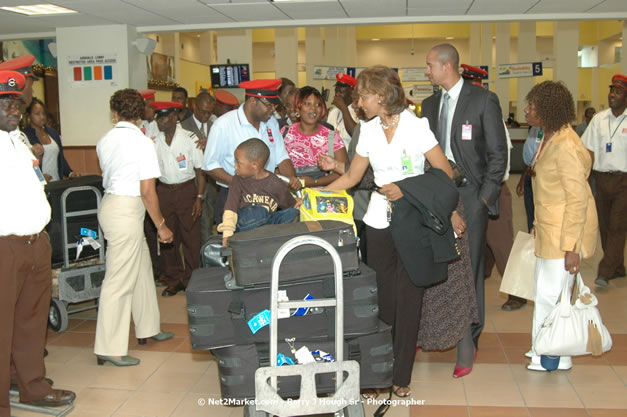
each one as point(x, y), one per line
point(129, 287)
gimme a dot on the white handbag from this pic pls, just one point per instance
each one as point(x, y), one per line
point(573, 329)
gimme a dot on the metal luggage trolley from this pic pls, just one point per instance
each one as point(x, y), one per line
point(76, 283)
point(345, 401)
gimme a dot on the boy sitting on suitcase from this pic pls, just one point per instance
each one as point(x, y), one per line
point(256, 196)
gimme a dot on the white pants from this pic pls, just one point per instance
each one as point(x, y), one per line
point(550, 279)
point(129, 286)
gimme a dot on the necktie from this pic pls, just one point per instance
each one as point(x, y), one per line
point(443, 122)
point(203, 129)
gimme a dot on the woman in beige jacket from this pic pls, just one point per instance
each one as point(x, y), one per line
point(565, 216)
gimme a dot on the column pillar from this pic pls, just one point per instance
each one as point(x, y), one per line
point(486, 52)
point(237, 46)
point(565, 48)
point(475, 44)
point(286, 53)
point(84, 107)
point(207, 48)
point(623, 54)
point(502, 57)
point(526, 53)
point(313, 54)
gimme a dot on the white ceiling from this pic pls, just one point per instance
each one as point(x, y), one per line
point(151, 16)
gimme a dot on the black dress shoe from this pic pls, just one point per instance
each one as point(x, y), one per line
point(45, 352)
point(513, 303)
point(56, 398)
point(15, 387)
point(170, 291)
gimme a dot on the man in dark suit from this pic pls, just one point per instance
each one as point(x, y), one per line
point(200, 124)
point(467, 121)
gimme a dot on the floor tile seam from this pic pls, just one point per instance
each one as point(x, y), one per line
point(570, 382)
point(178, 404)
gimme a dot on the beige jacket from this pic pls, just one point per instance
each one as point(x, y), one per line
point(565, 212)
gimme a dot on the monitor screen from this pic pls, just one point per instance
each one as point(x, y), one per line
point(229, 75)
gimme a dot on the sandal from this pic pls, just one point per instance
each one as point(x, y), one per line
point(401, 392)
point(370, 394)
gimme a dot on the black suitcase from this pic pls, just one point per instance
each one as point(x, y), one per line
point(251, 253)
point(76, 201)
point(237, 364)
point(218, 317)
point(211, 253)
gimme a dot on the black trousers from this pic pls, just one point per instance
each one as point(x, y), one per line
point(400, 301)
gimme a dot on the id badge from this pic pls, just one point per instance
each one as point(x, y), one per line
point(608, 147)
point(38, 172)
point(406, 165)
point(181, 161)
point(270, 137)
point(467, 132)
point(540, 136)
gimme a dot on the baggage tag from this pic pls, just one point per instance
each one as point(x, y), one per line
point(181, 161)
point(303, 356)
point(467, 131)
point(89, 233)
point(283, 312)
point(281, 359)
point(38, 172)
point(406, 165)
point(324, 356)
point(91, 242)
point(608, 147)
point(260, 321)
point(302, 311)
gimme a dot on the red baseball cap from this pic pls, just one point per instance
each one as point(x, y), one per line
point(268, 89)
point(22, 64)
point(11, 83)
point(147, 94)
point(163, 108)
point(620, 81)
point(226, 98)
point(345, 80)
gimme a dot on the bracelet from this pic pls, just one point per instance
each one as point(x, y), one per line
point(161, 224)
point(202, 197)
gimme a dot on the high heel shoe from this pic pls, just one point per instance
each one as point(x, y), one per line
point(125, 361)
point(160, 337)
point(460, 371)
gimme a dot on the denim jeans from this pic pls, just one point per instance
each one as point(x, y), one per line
point(253, 216)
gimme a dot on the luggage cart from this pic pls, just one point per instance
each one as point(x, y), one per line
point(345, 401)
point(76, 283)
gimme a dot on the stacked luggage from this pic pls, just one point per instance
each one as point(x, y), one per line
point(226, 308)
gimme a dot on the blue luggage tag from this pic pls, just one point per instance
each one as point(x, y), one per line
point(281, 359)
point(89, 233)
point(302, 311)
point(259, 321)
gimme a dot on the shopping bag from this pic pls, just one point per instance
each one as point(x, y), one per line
point(520, 270)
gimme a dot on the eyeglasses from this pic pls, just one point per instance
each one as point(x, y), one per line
point(266, 103)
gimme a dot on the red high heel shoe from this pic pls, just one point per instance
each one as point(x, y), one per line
point(459, 371)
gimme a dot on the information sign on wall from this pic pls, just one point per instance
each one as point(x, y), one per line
point(531, 69)
point(93, 70)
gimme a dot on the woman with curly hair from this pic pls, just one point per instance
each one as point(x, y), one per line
point(565, 225)
point(129, 167)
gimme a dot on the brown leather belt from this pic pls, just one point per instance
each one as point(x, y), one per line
point(28, 238)
point(175, 186)
point(612, 173)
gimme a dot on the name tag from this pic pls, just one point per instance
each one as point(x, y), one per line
point(608, 147)
point(466, 132)
point(181, 161)
point(406, 164)
point(38, 172)
point(624, 130)
point(270, 137)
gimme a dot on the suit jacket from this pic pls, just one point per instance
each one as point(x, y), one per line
point(565, 211)
point(190, 124)
point(483, 159)
point(421, 226)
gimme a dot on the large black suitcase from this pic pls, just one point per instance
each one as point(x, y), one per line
point(237, 364)
point(76, 201)
point(251, 253)
point(218, 317)
point(211, 253)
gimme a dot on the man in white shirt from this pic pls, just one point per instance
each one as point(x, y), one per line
point(342, 117)
point(253, 119)
point(25, 256)
point(606, 139)
point(180, 200)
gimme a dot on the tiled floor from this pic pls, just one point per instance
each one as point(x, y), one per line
point(172, 379)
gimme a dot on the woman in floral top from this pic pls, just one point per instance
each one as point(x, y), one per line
point(307, 139)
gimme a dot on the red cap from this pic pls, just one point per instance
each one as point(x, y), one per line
point(147, 94)
point(620, 81)
point(226, 98)
point(22, 64)
point(11, 82)
point(268, 89)
point(474, 72)
point(345, 79)
point(163, 108)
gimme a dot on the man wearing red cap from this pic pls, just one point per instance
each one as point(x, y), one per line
point(225, 102)
point(606, 139)
point(180, 199)
point(25, 256)
point(253, 119)
point(342, 117)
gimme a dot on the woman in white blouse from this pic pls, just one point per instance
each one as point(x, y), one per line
point(129, 168)
point(395, 142)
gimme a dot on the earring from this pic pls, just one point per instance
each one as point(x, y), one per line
point(380, 102)
point(297, 114)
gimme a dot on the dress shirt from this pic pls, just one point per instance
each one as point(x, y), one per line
point(201, 126)
point(24, 209)
point(126, 157)
point(336, 119)
point(509, 152)
point(606, 128)
point(233, 128)
point(531, 145)
point(452, 103)
point(183, 145)
point(152, 129)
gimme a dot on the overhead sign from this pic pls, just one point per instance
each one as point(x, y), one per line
point(418, 93)
point(531, 69)
point(323, 72)
point(413, 74)
point(93, 70)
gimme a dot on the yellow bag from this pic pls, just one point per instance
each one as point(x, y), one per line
point(319, 204)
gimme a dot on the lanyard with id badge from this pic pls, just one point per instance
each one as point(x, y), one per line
point(182, 162)
point(608, 145)
point(40, 175)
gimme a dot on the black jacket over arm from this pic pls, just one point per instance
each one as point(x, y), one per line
point(421, 226)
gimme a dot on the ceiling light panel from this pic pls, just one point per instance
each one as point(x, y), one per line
point(38, 9)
